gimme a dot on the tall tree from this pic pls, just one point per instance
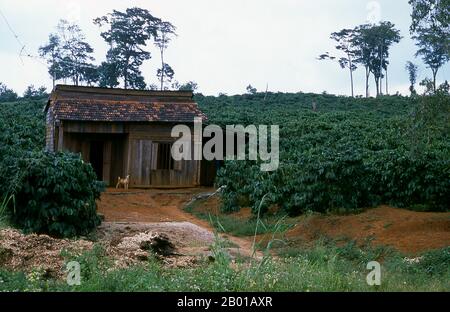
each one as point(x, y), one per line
point(431, 29)
point(75, 51)
point(434, 50)
point(430, 14)
point(108, 75)
point(90, 75)
point(52, 52)
point(165, 32)
point(364, 46)
point(373, 43)
point(165, 71)
point(412, 69)
point(127, 33)
point(67, 53)
point(345, 40)
point(386, 35)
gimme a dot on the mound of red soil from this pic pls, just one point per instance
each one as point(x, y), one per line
point(166, 206)
point(405, 230)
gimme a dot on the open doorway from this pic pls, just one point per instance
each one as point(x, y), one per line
point(96, 158)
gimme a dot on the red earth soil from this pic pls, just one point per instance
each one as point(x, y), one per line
point(405, 230)
point(157, 205)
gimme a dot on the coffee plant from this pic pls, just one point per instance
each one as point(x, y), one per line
point(57, 195)
point(349, 153)
point(54, 193)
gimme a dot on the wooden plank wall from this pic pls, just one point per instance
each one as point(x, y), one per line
point(143, 140)
point(113, 152)
point(131, 149)
point(49, 131)
point(93, 127)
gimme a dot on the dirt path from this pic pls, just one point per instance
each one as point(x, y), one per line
point(156, 206)
point(407, 231)
point(132, 218)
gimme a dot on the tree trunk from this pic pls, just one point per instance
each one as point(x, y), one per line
point(435, 71)
point(367, 82)
point(76, 77)
point(377, 84)
point(380, 92)
point(162, 69)
point(351, 81)
point(125, 73)
point(387, 90)
point(351, 73)
point(380, 84)
point(53, 72)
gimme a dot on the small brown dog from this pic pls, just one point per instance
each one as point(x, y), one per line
point(125, 182)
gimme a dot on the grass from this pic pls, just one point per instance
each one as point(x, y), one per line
point(240, 226)
point(3, 210)
point(322, 268)
point(246, 227)
point(325, 266)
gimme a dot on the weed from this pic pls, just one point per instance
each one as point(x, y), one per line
point(4, 209)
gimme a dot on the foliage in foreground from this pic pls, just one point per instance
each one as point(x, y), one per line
point(323, 268)
point(54, 193)
point(241, 226)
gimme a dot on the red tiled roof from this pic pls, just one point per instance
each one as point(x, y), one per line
point(118, 105)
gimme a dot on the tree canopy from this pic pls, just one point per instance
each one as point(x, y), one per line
point(68, 54)
point(430, 27)
point(128, 33)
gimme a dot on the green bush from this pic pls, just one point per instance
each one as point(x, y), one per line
point(402, 179)
point(56, 194)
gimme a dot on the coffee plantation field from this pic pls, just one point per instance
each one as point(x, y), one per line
point(344, 154)
point(51, 193)
point(347, 154)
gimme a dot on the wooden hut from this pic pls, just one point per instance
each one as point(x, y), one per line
point(124, 132)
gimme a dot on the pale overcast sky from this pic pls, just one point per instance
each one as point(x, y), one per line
point(223, 45)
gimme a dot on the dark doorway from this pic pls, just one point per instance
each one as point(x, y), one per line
point(208, 171)
point(96, 158)
point(117, 151)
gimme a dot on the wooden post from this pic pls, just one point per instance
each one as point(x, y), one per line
point(60, 137)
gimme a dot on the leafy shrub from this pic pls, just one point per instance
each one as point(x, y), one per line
point(403, 179)
point(21, 132)
point(352, 153)
point(436, 262)
point(56, 194)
